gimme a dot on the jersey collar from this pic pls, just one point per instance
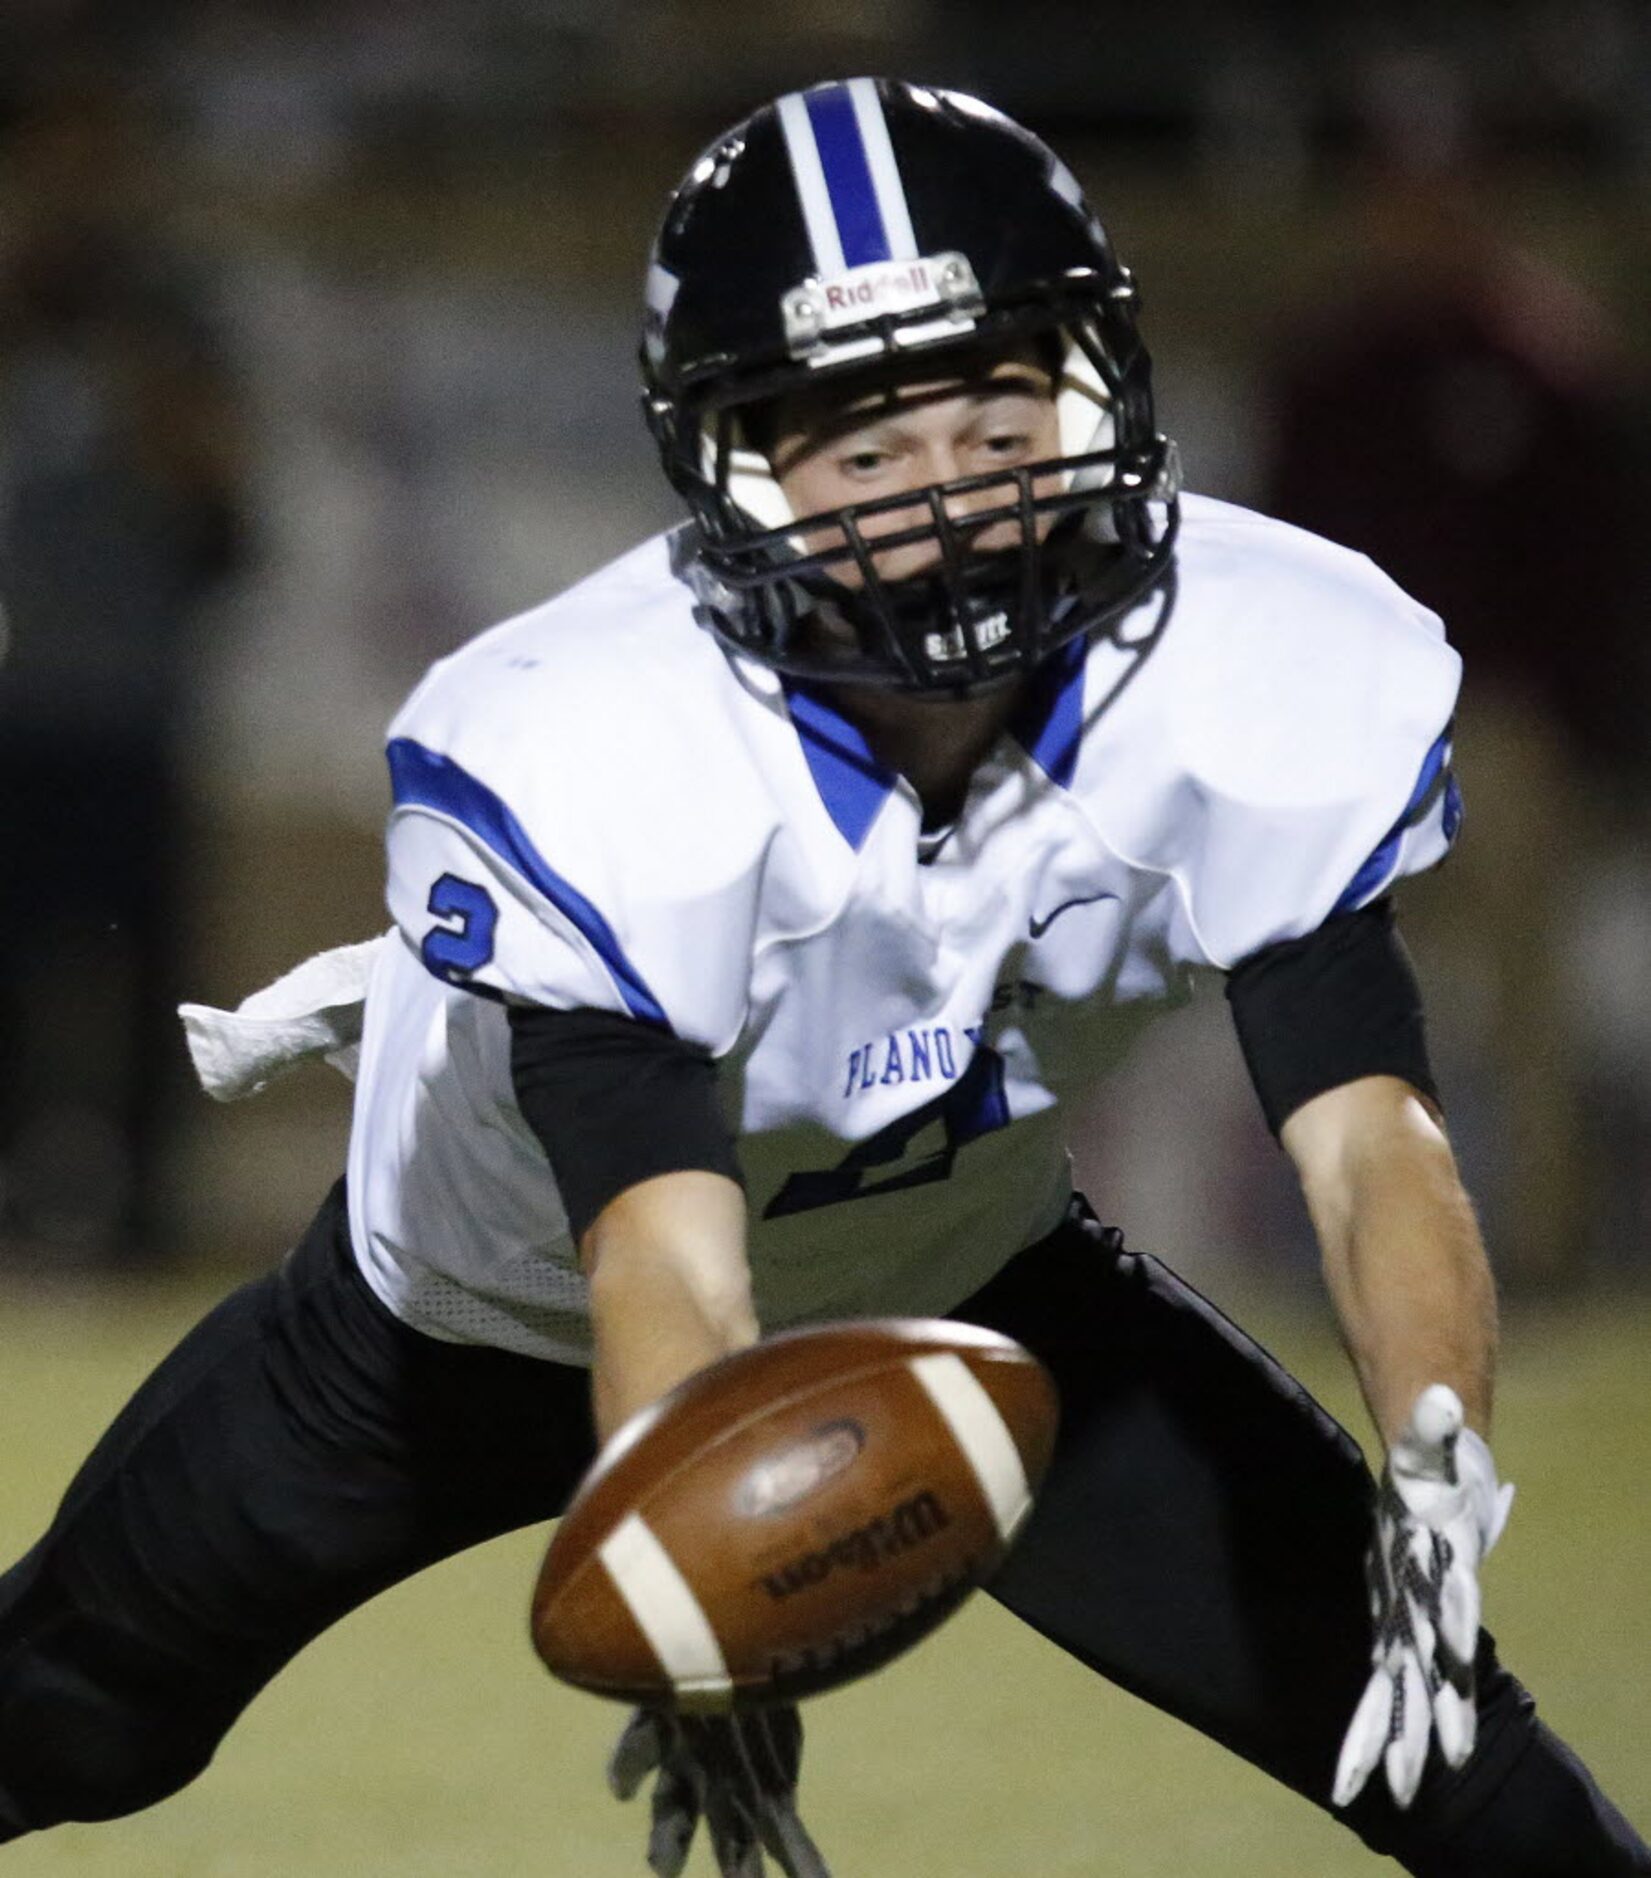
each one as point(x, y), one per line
point(1049, 723)
point(853, 785)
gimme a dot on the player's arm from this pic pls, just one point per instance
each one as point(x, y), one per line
point(1331, 1027)
point(670, 1290)
point(629, 1118)
point(1403, 1259)
point(1413, 1292)
point(1332, 1032)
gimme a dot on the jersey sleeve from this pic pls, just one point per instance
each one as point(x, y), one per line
point(484, 909)
point(1421, 835)
point(551, 846)
point(1344, 784)
point(1299, 735)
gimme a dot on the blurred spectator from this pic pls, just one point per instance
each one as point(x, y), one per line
point(120, 509)
point(1460, 412)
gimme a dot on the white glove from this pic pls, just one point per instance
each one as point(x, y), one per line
point(1439, 1511)
point(736, 1772)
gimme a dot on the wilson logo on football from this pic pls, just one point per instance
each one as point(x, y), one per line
point(864, 1548)
point(781, 1481)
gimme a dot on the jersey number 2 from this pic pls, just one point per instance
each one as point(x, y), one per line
point(454, 952)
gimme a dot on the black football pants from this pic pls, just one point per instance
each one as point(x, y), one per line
point(1199, 1541)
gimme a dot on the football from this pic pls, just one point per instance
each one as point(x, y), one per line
point(796, 1515)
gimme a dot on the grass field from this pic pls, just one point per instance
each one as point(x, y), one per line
point(420, 1738)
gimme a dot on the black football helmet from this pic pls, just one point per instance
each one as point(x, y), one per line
point(871, 220)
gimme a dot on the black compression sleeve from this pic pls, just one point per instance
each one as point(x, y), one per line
point(614, 1102)
point(1317, 1012)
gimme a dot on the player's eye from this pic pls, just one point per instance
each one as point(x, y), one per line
point(863, 462)
point(1007, 443)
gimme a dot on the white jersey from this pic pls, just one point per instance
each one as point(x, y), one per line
point(597, 806)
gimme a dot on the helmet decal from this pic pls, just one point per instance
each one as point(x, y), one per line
point(848, 181)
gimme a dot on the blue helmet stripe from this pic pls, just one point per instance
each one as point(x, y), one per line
point(847, 175)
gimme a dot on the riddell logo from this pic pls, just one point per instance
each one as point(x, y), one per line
point(863, 1549)
point(882, 290)
point(904, 286)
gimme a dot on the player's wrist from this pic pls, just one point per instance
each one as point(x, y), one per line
point(1444, 1468)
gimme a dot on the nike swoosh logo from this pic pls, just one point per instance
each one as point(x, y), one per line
point(1040, 926)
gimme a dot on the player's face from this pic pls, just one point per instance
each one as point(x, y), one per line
point(865, 440)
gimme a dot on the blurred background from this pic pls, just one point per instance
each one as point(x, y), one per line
point(316, 327)
point(316, 332)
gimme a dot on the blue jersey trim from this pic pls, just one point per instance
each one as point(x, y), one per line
point(422, 778)
point(1450, 816)
point(847, 176)
point(853, 785)
point(1050, 725)
point(1376, 871)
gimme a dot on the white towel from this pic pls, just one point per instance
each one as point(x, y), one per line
point(314, 1010)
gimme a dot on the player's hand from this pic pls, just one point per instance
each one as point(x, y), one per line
point(737, 1771)
point(1439, 1512)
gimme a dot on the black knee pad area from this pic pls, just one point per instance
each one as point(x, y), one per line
point(95, 1728)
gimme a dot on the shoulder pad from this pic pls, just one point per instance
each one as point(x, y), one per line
point(1292, 713)
point(576, 821)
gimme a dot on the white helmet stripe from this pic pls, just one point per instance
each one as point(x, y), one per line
point(885, 172)
point(809, 175)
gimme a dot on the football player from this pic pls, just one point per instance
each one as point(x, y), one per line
point(758, 905)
